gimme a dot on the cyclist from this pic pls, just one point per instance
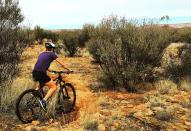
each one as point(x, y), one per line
point(39, 72)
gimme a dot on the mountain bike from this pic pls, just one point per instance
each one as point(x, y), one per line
point(28, 107)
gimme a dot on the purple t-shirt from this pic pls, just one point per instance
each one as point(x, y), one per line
point(44, 61)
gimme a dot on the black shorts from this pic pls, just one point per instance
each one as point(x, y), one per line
point(40, 77)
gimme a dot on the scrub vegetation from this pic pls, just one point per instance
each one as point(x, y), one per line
point(127, 75)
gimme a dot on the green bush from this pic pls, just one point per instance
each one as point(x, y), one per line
point(93, 47)
point(85, 34)
point(127, 52)
point(10, 38)
point(176, 61)
point(70, 41)
point(183, 35)
point(40, 34)
point(13, 40)
point(164, 115)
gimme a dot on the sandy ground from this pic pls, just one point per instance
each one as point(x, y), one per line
point(111, 110)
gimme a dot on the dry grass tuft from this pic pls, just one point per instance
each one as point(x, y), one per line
point(103, 101)
point(166, 87)
point(9, 94)
point(144, 86)
point(184, 85)
point(185, 103)
point(90, 124)
point(157, 101)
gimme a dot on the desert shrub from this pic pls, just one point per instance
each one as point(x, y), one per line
point(59, 47)
point(85, 34)
point(13, 40)
point(93, 46)
point(126, 51)
point(26, 34)
point(180, 34)
point(183, 35)
point(176, 60)
point(164, 115)
point(71, 42)
point(40, 34)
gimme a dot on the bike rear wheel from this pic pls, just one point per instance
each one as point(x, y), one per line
point(27, 106)
point(67, 98)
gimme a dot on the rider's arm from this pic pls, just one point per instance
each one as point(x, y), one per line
point(62, 64)
point(49, 70)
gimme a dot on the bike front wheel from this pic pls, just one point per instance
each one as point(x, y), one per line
point(67, 97)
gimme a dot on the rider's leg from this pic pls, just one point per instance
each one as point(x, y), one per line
point(37, 87)
point(52, 88)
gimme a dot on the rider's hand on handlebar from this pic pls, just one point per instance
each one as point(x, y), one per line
point(50, 70)
point(70, 71)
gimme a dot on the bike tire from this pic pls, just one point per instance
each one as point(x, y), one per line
point(66, 88)
point(18, 112)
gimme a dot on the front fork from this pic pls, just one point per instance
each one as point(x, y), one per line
point(59, 82)
point(62, 91)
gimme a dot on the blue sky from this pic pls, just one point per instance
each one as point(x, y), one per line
point(75, 13)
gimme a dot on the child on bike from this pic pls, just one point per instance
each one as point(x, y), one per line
point(41, 67)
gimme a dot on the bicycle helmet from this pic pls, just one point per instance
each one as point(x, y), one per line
point(50, 45)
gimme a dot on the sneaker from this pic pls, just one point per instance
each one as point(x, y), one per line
point(43, 104)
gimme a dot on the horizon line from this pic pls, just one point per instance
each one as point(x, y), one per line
point(171, 21)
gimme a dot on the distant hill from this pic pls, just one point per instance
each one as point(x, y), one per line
point(60, 30)
point(182, 25)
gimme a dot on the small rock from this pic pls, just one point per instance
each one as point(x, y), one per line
point(122, 89)
point(124, 102)
point(51, 121)
point(101, 127)
point(138, 115)
point(117, 101)
point(5, 126)
point(172, 100)
point(116, 125)
point(130, 105)
point(157, 109)
point(183, 117)
point(105, 112)
point(149, 113)
point(35, 123)
point(187, 123)
point(28, 128)
point(31, 128)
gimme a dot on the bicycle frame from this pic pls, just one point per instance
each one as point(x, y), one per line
point(64, 102)
point(59, 82)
